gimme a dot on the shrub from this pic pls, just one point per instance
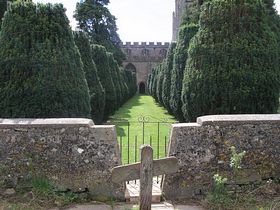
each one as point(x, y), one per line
point(41, 72)
point(232, 65)
point(186, 32)
point(97, 93)
point(167, 77)
point(101, 59)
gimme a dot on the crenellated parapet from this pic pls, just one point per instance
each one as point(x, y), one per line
point(145, 44)
point(145, 51)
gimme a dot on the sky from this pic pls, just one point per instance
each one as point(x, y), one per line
point(138, 20)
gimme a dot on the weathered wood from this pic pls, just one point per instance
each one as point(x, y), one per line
point(145, 170)
point(132, 171)
point(146, 177)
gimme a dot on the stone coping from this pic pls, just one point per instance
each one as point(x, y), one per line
point(49, 122)
point(238, 119)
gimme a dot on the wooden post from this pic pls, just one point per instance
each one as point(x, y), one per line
point(145, 170)
point(146, 177)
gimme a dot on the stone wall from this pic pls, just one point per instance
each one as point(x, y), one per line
point(203, 149)
point(73, 153)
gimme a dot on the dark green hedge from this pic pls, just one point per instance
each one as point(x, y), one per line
point(41, 73)
point(233, 61)
point(168, 65)
point(186, 33)
point(97, 92)
point(101, 59)
point(3, 6)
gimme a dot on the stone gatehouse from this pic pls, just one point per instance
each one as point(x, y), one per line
point(142, 57)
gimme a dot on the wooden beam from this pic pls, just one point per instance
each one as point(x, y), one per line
point(146, 177)
point(132, 171)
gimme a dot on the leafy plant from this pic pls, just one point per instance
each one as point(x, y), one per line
point(42, 185)
point(235, 159)
point(219, 193)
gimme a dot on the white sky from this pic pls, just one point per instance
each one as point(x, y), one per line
point(137, 20)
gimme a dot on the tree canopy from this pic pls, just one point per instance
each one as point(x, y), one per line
point(95, 19)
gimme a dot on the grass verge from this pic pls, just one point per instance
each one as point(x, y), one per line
point(142, 121)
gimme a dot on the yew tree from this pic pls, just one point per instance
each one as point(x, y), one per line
point(233, 65)
point(41, 73)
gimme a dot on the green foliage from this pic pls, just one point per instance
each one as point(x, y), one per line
point(186, 33)
point(154, 81)
point(95, 19)
point(115, 72)
point(42, 185)
point(96, 91)
point(166, 83)
point(41, 72)
point(118, 83)
point(191, 13)
point(43, 188)
point(130, 80)
point(124, 86)
point(219, 194)
point(233, 64)
point(3, 8)
point(235, 159)
point(159, 81)
point(105, 73)
point(219, 197)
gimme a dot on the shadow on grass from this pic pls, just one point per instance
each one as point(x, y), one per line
point(129, 124)
point(121, 119)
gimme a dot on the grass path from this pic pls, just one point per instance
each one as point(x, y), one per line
point(130, 127)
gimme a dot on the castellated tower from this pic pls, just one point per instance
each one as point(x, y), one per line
point(180, 6)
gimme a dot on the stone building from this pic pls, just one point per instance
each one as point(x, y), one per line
point(180, 6)
point(141, 58)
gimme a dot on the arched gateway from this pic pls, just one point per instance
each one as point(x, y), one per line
point(142, 58)
point(142, 88)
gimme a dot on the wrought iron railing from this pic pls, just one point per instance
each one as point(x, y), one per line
point(144, 130)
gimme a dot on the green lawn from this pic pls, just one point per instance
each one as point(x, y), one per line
point(141, 114)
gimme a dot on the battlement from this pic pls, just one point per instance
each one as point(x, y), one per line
point(143, 44)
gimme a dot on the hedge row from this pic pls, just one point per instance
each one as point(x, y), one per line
point(225, 62)
point(45, 72)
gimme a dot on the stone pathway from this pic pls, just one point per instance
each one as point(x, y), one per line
point(159, 206)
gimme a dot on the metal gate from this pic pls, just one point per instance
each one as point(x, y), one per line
point(145, 130)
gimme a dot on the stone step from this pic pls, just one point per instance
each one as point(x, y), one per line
point(133, 189)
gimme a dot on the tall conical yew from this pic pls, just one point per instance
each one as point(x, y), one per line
point(167, 77)
point(160, 78)
point(97, 93)
point(101, 59)
point(124, 86)
point(233, 61)
point(130, 79)
point(114, 71)
point(41, 73)
point(186, 32)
